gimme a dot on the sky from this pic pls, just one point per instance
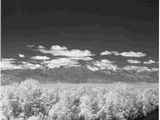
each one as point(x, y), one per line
point(124, 31)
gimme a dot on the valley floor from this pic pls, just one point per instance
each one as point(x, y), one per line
point(31, 100)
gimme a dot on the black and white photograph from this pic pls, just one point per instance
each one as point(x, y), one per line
point(79, 60)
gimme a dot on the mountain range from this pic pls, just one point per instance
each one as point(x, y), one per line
point(77, 74)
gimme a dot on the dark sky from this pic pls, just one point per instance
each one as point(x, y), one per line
point(128, 8)
point(95, 25)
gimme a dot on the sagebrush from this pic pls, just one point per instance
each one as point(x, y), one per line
point(119, 101)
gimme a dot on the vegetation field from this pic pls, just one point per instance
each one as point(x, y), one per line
point(31, 100)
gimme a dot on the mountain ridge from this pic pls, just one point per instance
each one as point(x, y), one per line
point(78, 74)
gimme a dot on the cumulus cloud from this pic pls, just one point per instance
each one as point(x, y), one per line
point(68, 53)
point(154, 69)
point(104, 64)
point(149, 62)
point(56, 63)
point(106, 61)
point(40, 58)
point(82, 58)
point(106, 52)
point(116, 53)
point(9, 64)
point(132, 54)
point(92, 68)
point(136, 68)
point(133, 61)
point(108, 66)
point(124, 54)
point(57, 47)
point(140, 68)
point(41, 47)
point(30, 46)
point(27, 65)
point(21, 55)
point(78, 53)
point(8, 59)
point(57, 50)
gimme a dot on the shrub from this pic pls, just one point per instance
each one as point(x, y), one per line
point(28, 100)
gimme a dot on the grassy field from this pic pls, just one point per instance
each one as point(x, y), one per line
point(30, 100)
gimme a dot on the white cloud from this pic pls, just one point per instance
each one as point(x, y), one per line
point(136, 68)
point(30, 46)
point(132, 54)
point(71, 53)
point(8, 59)
point(8, 64)
point(154, 69)
point(40, 58)
point(133, 61)
point(56, 63)
point(41, 47)
point(106, 52)
point(78, 53)
point(57, 47)
point(106, 61)
point(105, 64)
point(82, 58)
point(124, 54)
point(27, 65)
point(57, 50)
point(116, 53)
point(149, 62)
point(92, 68)
point(21, 55)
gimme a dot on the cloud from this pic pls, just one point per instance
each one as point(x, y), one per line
point(21, 55)
point(56, 63)
point(133, 61)
point(136, 68)
point(57, 50)
point(77, 53)
point(27, 65)
point(8, 59)
point(106, 61)
point(41, 47)
point(149, 62)
point(105, 64)
point(40, 58)
point(92, 68)
point(154, 69)
point(124, 54)
point(8, 64)
point(68, 53)
point(132, 54)
point(106, 52)
point(30, 46)
point(116, 53)
point(57, 47)
point(82, 58)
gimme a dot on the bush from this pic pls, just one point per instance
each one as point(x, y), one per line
point(28, 100)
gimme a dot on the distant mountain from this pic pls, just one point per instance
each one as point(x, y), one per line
point(77, 75)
